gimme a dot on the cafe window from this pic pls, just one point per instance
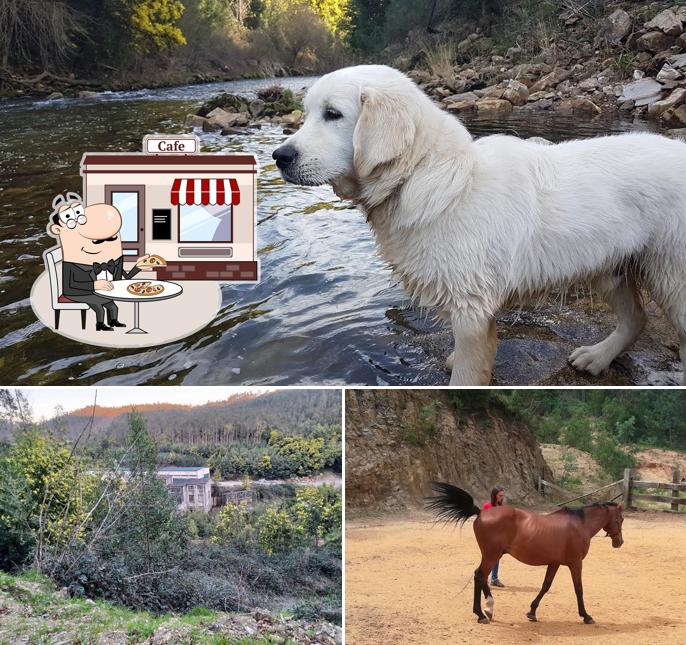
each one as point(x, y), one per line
point(205, 223)
point(127, 204)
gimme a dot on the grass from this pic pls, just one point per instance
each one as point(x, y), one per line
point(80, 621)
point(623, 62)
point(441, 59)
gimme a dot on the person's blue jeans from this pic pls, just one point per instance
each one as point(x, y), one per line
point(494, 573)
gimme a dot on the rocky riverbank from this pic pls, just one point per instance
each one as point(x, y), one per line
point(51, 86)
point(630, 62)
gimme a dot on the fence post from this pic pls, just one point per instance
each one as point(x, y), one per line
point(676, 478)
point(627, 488)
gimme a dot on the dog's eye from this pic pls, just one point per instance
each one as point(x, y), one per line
point(332, 115)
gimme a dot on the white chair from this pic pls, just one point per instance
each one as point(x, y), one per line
point(52, 257)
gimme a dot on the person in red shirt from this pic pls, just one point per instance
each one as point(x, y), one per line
point(497, 499)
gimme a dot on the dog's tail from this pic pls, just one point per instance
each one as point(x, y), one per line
point(451, 504)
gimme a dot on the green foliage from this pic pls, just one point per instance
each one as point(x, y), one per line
point(577, 433)
point(318, 509)
point(315, 516)
point(304, 456)
point(611, 457)
point(151, 24)
point(149, 532)
point(233, 526)
point(335, 14)
point(601, 422)
point(296, 34)
point(43, 496)
point(422, 429)
point(647, 417)
point(279, 532)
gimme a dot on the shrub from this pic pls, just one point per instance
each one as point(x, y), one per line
point(577, 433)
point(318, 510)
point(203, 522)
point(233, 526)
point(609, 454)
point(278, 532)
point(441, 60)
point(423, 428)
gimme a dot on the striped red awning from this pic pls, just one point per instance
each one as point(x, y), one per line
point(205, 191)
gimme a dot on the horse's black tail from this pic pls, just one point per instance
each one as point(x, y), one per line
point(451, 504)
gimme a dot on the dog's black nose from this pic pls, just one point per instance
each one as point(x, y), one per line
point(285, 155)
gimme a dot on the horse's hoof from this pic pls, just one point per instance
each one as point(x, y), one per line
point(483, 621)
point(589, 621)
point(489, 614)
point(532, 617)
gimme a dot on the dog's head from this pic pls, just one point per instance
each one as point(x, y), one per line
point(357, 119)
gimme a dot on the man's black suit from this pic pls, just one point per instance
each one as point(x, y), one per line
point(78, 282)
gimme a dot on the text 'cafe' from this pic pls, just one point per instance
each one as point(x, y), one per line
point(196, 210)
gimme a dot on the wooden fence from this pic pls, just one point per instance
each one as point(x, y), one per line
point(233, 497)
point(547, 488)
point(675, 486)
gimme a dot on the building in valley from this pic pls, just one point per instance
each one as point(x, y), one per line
point(190, 487)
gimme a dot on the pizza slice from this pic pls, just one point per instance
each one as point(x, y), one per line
point(152, 261)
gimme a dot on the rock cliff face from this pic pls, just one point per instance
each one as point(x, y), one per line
point(398, 441)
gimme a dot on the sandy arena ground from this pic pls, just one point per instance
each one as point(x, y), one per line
point(405, 583)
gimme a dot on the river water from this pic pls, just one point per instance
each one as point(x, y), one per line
point(327, 310)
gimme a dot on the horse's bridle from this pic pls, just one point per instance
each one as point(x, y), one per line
point(618, 515)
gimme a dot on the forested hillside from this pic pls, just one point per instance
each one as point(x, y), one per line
point(275, 435)
point(123, 43)
point(125, 540)
point(609, 425)
point(247, 418)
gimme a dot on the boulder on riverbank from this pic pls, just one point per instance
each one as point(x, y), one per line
point(226, 112)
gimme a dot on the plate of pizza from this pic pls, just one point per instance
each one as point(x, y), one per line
point(153, 261)
point(145, 288)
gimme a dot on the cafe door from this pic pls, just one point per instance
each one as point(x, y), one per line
point(130, 202)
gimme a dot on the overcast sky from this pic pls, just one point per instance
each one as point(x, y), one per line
point(43, 399)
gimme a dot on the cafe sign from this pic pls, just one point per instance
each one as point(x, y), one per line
point(157, 144)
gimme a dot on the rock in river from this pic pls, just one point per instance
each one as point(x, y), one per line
point(493, 106)
point(643, 92)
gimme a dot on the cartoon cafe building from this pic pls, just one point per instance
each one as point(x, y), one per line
point(196, 210)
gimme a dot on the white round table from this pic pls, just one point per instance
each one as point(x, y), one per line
point(171, 290)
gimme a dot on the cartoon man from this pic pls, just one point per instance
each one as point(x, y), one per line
point(92, 256)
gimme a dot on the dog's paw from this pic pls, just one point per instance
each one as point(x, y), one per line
point(449, 361)
point(590, 359)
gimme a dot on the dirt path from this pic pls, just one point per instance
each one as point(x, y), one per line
point(405, 583)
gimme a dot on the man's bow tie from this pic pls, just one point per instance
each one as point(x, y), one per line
point(110, 266)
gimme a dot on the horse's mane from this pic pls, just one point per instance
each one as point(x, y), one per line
point(578, 511)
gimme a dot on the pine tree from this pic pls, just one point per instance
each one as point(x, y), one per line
point(150, 533)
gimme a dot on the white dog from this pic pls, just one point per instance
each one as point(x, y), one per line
point(468, 226)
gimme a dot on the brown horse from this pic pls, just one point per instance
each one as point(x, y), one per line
point(559, 538)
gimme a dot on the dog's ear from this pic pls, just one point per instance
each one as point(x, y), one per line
point(385, 130)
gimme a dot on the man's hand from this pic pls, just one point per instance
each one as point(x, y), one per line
point(103, 285)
